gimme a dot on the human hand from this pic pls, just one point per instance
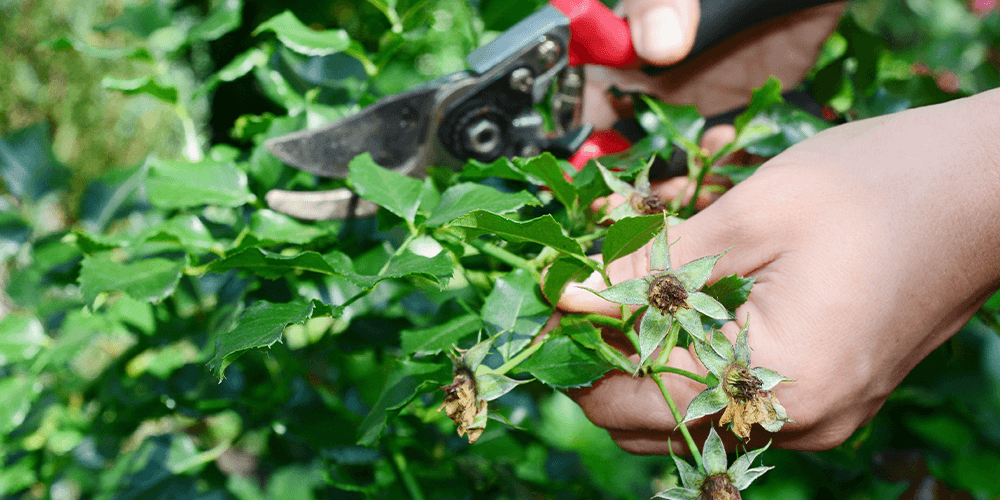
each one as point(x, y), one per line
point(717, 80)
point(872, 243)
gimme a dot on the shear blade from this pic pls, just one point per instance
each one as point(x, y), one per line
point(392, 130)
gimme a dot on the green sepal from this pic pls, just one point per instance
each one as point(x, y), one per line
point(653, 329)
point(632, 292)
point(708, 306)
point(694, 274)
point(707, 402)
point(690, 320)
point(714, 454)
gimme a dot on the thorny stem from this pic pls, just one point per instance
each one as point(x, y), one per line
point(692, 447)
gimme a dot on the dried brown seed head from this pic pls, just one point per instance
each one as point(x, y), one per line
point(667, 294)
point(647, 205)
point(741, 383)
point(719, 487)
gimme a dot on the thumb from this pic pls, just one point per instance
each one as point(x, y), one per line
point(663, 30)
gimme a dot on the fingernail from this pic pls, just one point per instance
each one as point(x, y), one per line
point(661, 35)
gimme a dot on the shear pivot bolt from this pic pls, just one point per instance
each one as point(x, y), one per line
point(483, 138)
point(521, 79)
point(549, 51)
point(529, 151)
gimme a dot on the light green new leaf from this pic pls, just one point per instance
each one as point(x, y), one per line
point(397, 193)
point(149, 279)
point(714, 454)
point(224, 18)
point(461, 199)
point(180, 184)
point(261, 325)
point(690, 320)
point(562, 363)
point(628, 235)
point(272, 228)
point(302, 39)
point(544, 230)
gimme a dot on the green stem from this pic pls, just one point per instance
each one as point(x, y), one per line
point(699, 182)
point(402, 248)
point(668, 346)
point(401, 469)
point(521, 356)
point(500, 254)
point(600, 319)
point(679, 371)
point(692, 447)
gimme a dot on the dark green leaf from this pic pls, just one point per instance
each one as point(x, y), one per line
point(459, 200)
point(239, 66)
point(731, 291)
point(272, 228)
point(438, 268)
point(187, 230)
point(304, 40)
point(261, 325)
point(394, 192)
point(27, 164)
point(562, 272)
point(14, 232)
point(628, 235)
point(150, 279)
point(142, 19)
point(142, 85)
point(589, 336)
point(790, 125)
point(515, 311)
point(406, 381)
point(590, 184)
point(270, 265)
point(563, 364)
point(501, 168)
point(547, 171)
point(112, 196)
point(544, 230)
point(440, 337)
point(181, 184)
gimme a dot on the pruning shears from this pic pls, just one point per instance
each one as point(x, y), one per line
point(489, 111)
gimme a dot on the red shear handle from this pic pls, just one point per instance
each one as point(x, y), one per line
point(600, 143)
point(597, 35)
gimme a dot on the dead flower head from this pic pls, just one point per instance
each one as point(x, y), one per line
point(462, 404)
point(744, 392)
point(639, 200)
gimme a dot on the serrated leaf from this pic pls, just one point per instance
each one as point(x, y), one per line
point(501, 168)
point(761, 98)
point(187, 230)
point(149, 279)
point(438, 268)
point(142, 85)
point(180, 184)
point(545, 170)
point(302, 39)
point(514, 311)
point(27, 164)
point(463, 198)
point(562, 272)
point(271, 265)
point(440, 337)
point(588, 336)
point(628, 235)
point(394, 192)
point(407, 380)
point(561, 363)
point(261, 325)
point(731, 291)
point(544, 230)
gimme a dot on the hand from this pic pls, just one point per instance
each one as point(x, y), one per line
point(717, 80)
point(872, 243)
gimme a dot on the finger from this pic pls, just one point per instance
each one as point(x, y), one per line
point(663, 30)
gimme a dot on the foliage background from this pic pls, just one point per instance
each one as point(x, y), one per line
point(119, 402)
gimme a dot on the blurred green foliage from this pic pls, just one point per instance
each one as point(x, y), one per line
point(111, 112)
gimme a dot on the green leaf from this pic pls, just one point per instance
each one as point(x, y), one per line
point(544, 230)
point(66, 42)
point(633, 292)
point(562, 272)
point(142, 85)
point(731, 291)
point(707, 402)
point(628, 235)
point(225, 18)
point(21, 338)
point(394, 192)
point(501, 168)
point(142, 19)
point(149, 279)
point(682, 123)
point(438, 268)
point(238, 67)
point(490, 386)
point(302, 39)
point(187, 230)
point(654, 328)
point(708, 306)
point(792, 126)
point(762, 98)
point(547, 172)
point(694, 274)
point(461, 199)
point(14, 232)
point(562, 363)
point(589, 336)
point(270, 265)
point(514, 311)
point(19, 392)
point(440, 337)
point(407, 380)
point(261, 325)
point(273, 228)
point(112, 195)
point(181, 184)
point(27, 165)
